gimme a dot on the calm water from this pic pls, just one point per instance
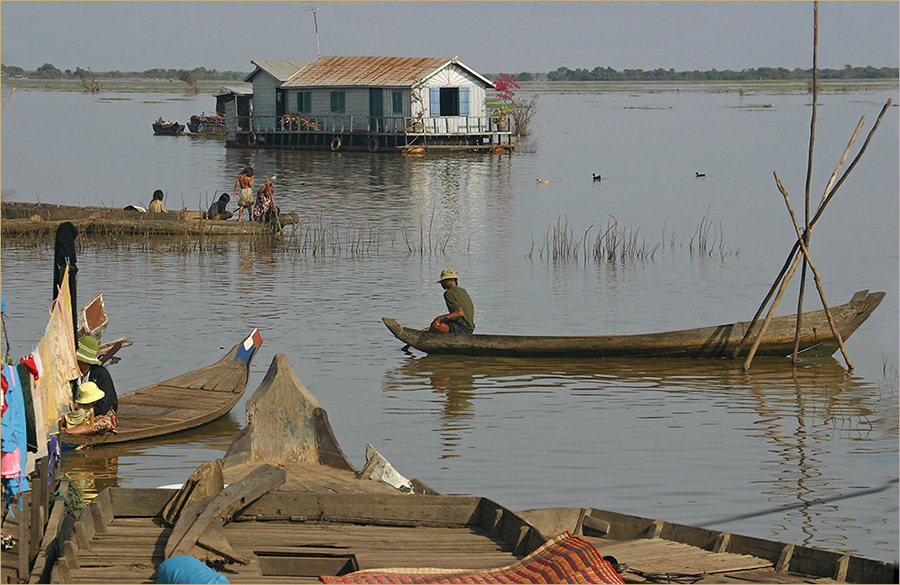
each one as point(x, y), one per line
point(686, 441)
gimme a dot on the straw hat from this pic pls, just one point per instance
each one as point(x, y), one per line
point(89, 392)
point(447, 274)
point(87, 350)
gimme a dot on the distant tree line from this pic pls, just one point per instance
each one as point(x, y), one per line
point(48, 71)
point(757, 74)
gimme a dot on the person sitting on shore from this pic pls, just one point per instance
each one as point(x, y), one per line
point(217, 209)
point(156, 206)
point(84, 420)
point(461, 315)
point(264, 209)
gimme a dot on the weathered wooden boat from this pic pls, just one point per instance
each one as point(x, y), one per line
point(29, 220)
point(183, 402)
point(207, 125)
point(718, 341)
point(315, 518)
point(167, 128)
point(644, 550)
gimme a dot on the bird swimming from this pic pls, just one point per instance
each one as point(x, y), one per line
point(699, 175)
point(542, 181)
point(597, 178)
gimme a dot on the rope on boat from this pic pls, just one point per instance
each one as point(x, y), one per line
point(804, 505)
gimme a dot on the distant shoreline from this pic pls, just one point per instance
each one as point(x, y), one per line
point(211, 87)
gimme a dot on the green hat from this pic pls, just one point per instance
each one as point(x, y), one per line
point(89, 392)
point(87, 350)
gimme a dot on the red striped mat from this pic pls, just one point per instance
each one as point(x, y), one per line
point(562, 559)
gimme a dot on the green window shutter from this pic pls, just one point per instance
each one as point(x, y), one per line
point(304, 101)
point(338, 101)
point(397, 102)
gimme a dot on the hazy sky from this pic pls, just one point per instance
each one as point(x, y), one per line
point(490, 37)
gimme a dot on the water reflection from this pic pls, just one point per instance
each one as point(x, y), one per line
point(792, 414)
point(93, 469)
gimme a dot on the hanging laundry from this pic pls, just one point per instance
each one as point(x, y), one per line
point(13, 442)
point(57, 356)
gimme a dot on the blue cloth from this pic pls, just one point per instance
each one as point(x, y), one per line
point(185, 569)
point(2, 303)
point(12, 429)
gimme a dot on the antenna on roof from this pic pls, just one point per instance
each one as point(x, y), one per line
point(315, 11)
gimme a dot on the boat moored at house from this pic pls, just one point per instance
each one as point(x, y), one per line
point(366, 104)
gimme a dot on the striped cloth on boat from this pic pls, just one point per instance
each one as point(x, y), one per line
point(562, 559)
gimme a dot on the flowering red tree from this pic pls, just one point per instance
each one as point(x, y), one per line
point(504, 87)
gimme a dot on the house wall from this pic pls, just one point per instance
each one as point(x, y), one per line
point(264, 94)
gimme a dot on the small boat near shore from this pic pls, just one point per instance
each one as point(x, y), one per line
point(180, 403)
point(717, 341)
point(167, 128)
point(21, 219)
point(313, 518)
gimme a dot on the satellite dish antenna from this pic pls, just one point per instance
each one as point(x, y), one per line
point(315, 11)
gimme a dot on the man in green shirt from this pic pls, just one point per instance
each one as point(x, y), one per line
point(461, 316)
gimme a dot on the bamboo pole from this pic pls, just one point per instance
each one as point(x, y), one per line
point(808, 260)
point(830, 190)
point(809, 166)
point(765, 325)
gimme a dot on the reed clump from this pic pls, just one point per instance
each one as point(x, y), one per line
point(318, 238)
point(624, 243)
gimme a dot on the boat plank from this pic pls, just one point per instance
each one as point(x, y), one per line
point(659, 555)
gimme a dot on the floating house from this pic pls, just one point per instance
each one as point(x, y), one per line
point(366, 103)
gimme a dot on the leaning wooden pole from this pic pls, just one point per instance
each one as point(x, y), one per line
point(827, 196)
point(808, 260)
point(809, 165)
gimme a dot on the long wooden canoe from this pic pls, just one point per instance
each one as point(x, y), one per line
point(718, 341)
point(41, 219)
point(184, 402)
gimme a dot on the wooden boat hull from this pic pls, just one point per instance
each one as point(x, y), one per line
point(705, 342)
point(636, 544)
point(184, 402)
point(38, 219)
point(168, 129)
point(313, 517)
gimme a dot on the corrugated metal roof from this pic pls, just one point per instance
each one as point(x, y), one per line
point(366, 71)
point(280, 70)
point(242, 89)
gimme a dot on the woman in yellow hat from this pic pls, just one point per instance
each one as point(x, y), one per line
point(81, 420)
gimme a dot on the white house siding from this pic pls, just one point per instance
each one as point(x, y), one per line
point(455, 76)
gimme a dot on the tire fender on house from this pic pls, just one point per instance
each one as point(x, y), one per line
point(372, 145)
point(251, 139)
point(336, 143)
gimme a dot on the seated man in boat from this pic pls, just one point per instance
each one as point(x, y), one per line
point(92, 370)
point(84, 420)
point(156, 206)
point(217, 209)
point(461, 315)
